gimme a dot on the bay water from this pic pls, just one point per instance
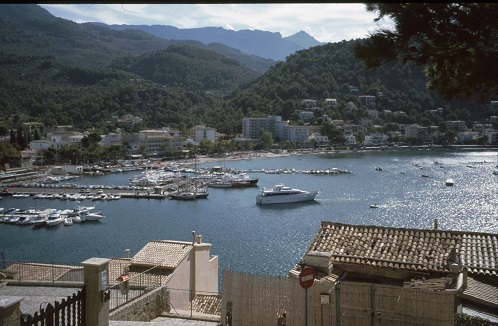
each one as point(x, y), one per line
point(270, 239)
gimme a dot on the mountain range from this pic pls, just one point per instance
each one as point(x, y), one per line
point(268, 45)
point(60, 72)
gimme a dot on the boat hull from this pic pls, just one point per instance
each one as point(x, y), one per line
point(284, 199)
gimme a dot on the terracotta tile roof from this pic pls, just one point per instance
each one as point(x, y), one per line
point(415, 250)
point(207, 304)
point(166, 254)
point(39, 271)
point(483, 291)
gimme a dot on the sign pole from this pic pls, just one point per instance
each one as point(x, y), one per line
point(306, 279)
point(306, 307)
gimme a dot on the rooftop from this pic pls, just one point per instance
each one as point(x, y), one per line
point(162, 253)
point(412, 250)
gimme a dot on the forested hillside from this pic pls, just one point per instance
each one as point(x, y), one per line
point(188, 68)
point(59, 73)
point(328, 71)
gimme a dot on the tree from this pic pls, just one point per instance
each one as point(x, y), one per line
point(455, 41)
point(266, 140)
point(6, 150)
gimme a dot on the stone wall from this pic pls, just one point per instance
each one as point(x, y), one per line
point(145, 308)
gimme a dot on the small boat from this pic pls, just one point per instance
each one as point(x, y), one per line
point(450, 182)
point(68, 221)
point(374, 206)
point(281, 194)
point(378, 168)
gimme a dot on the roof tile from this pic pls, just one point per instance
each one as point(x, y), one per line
point(408, 249)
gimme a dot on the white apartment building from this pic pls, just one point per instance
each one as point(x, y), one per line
point(57, 140)
point(251, 127)
point(200, 133)
point(298, 134)
point(152, 141)
point(112, 139)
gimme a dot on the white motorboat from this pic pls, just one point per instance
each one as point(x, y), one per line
point(40, 220)
point(68, 221)
point(450, 182)
point(90, 216)
point(183, 195)
point(54, 219)
point(281, 194)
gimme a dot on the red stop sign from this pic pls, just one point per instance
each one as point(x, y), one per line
point(307, 277)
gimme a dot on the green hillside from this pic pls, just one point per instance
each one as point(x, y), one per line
point(59, 73)
point(188, 68)
point(328, 71)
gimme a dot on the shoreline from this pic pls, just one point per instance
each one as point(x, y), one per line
point(252, 155)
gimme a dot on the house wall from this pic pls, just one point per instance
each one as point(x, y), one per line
point(206, 270)
point(258, 300)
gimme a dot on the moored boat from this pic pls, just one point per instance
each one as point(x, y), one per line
point(281, 194)
point(450, 182)
point(90, 216)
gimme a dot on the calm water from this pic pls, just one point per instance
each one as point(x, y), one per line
point(271, 239)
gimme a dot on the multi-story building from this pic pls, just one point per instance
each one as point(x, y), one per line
point(306, 116)
point(252, 127)
point(457, 126)
point(152, 142)
point(298, 134)
point(200, 133)
point(308, 103)
point(57, 140)
point(112, 139)
point(367, 99)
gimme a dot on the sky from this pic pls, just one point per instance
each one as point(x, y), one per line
point(326, 22)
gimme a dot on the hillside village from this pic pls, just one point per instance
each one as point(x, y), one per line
point(168, 142)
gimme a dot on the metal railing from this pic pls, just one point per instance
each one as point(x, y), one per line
point(41, 271)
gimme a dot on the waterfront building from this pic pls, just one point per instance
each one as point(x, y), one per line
point(57, 140)
point(200, 133)
point(112, 139)
point(251, 127)
point(153, 141)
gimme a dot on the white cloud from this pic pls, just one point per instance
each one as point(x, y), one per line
point(327, 22)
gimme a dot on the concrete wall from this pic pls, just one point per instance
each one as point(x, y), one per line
point(145, 308)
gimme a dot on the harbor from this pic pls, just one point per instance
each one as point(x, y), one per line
point(270, 238)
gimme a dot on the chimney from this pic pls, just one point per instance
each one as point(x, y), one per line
point(193, 237)
point(127, 253)
point(199, 239)
point(436, 223)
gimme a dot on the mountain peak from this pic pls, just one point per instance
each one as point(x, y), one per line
point(303, 39)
